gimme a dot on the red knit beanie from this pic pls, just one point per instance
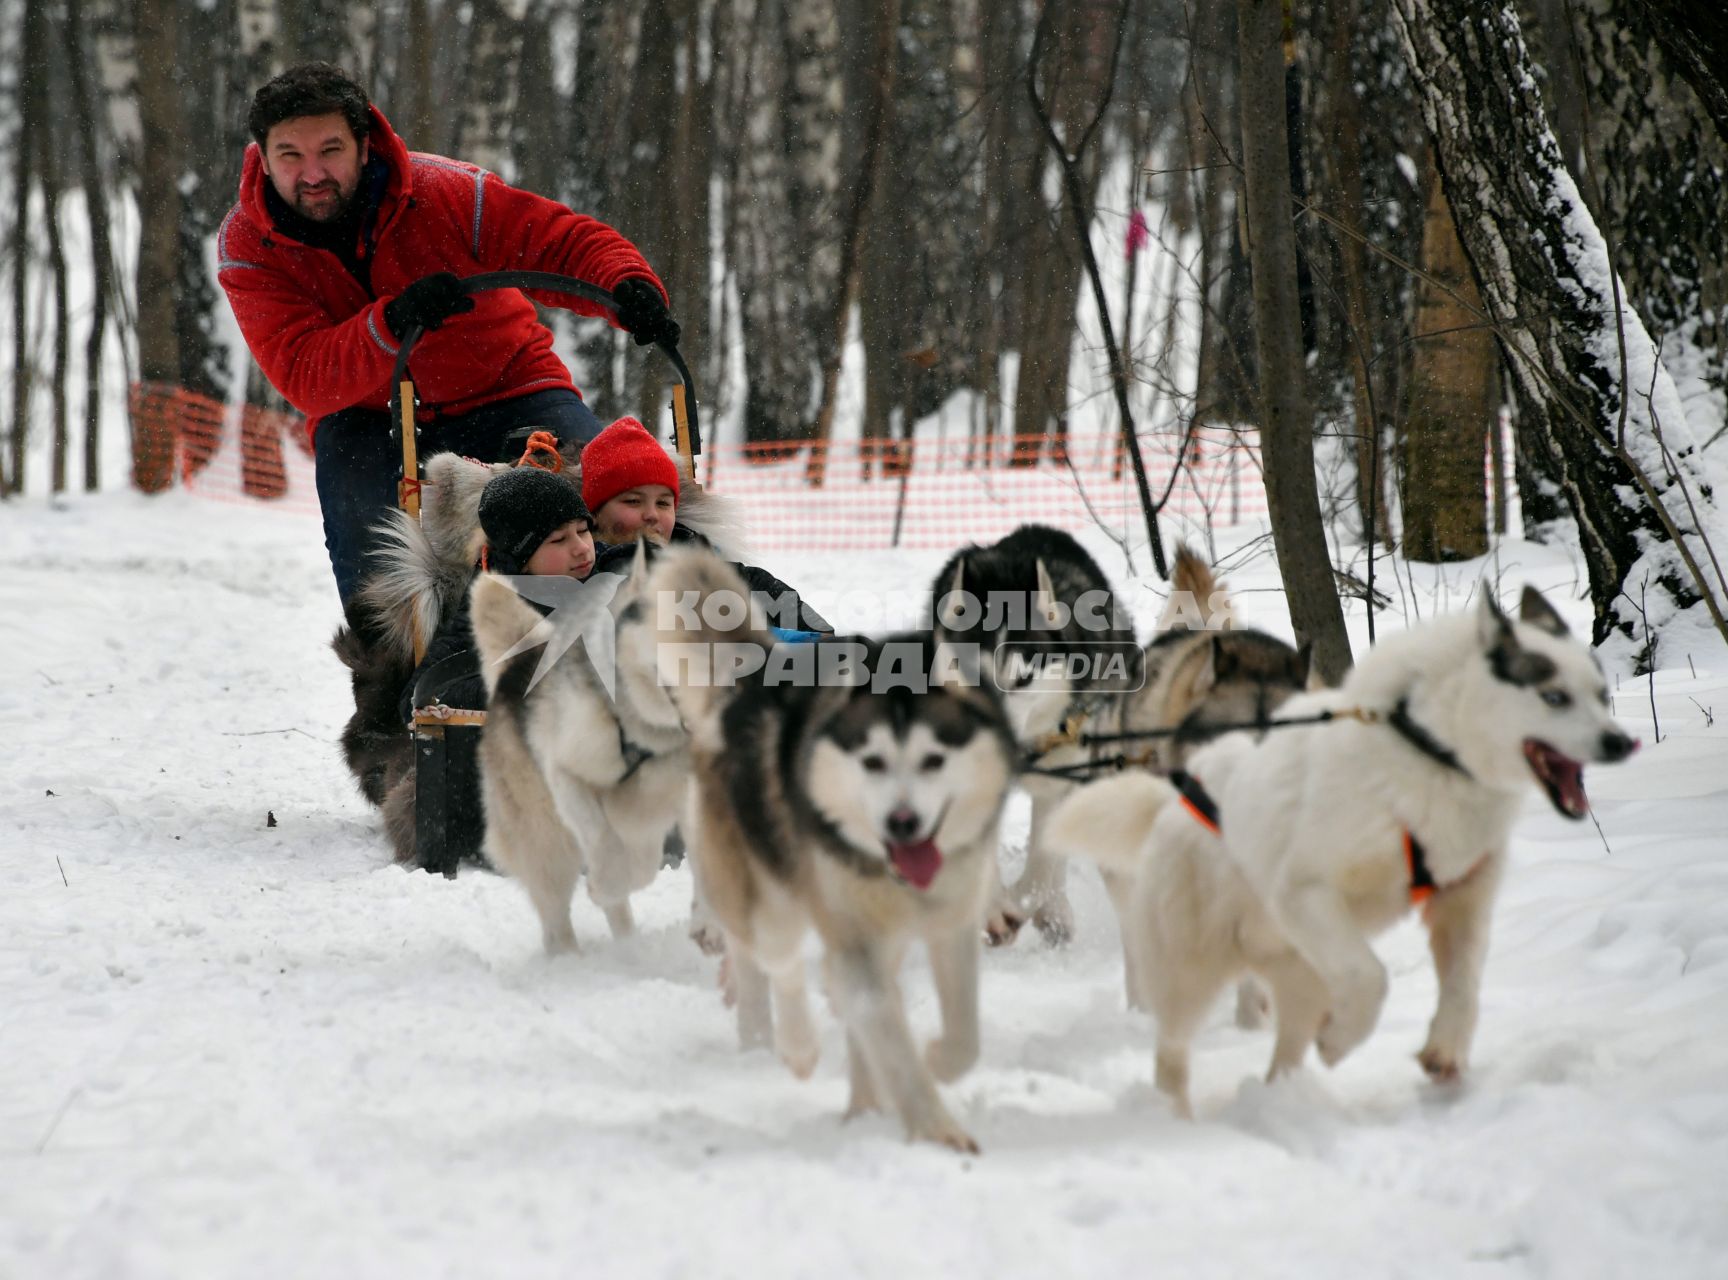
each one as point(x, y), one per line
point(624, 456)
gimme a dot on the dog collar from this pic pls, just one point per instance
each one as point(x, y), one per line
point(635, 756)
point(1418, 737)
point(1196, 799)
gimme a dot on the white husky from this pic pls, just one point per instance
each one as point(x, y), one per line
point(1287, 855)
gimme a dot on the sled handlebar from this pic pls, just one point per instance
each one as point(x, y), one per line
point(684, 403)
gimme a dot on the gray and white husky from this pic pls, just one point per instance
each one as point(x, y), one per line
point(576, 776)
point(862, 806)
point(1285, 856)
point(1060, 645)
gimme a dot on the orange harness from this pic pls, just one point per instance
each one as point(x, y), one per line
point(1204, 810)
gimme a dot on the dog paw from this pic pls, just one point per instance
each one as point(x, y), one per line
point(1339, 1035)
point(944, 1131)
point(560, 942)
point(947, 1060)
point(1253, 1005)
point(1355, 1010)
point(962, 1142)
point(708, 938)
point(1442, 1065)
point(1055, 922)
point(800, 1058)
point(1003, 927)
point(862, 1103)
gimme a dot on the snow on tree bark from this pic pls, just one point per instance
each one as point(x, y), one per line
point(1547, 283)
point(1660, 186)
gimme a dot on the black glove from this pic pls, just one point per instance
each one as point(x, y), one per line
point(643, 314)
point(427, 303)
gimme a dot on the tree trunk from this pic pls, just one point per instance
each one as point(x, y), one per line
point(1596, 398)
point(62, 323)
point(1287, 439)
point(1345, 116)
point(158, 235)
point(1451, 405)
point(1658, 184)
point(1694, 35)
point(23, 177)
point(488, 101)
point(878, 124)
point(785, 205)
point(101, 254)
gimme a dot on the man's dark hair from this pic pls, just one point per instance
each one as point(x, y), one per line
point(310, 89)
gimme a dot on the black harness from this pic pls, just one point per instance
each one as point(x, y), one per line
point(1204, 809)
point(1421, 739)
point(635, 755)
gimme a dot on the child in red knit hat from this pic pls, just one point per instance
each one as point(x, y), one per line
point(630, 483)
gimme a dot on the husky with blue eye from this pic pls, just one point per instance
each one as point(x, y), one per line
point(853, 789)
point(1286, 854)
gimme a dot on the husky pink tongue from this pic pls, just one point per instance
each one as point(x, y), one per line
point(917, 862)
point(1561, 775)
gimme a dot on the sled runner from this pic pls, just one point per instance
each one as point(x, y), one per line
point(447, 818)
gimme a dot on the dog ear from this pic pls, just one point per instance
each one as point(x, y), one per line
point(1044, 604)
point(950, 609)
point(1493, 628)
point(1302, 664)
point(1534, 609)
point(636, 580)
point(1224, 660)
point(1207, 676)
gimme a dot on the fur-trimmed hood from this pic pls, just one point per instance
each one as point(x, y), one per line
point(425, 566)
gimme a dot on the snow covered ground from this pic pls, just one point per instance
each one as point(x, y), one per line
point(232, 1048)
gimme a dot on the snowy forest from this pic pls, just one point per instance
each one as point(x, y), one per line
point(1366, 359)
point(1474, 192)
point(913, 177)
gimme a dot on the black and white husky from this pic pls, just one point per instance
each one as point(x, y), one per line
point(1285, 855)
point(1055, 639)
point(854, 789)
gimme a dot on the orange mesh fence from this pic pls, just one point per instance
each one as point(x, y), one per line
point(854, 495)
point(220, 451)
point(863, 495)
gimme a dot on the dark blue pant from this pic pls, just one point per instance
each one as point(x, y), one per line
point(358, 462)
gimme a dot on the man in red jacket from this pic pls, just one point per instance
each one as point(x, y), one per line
point(343, 241)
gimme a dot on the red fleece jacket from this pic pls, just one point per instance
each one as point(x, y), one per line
point(320, 337)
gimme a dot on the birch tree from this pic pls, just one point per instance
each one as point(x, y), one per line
point(1594, 394)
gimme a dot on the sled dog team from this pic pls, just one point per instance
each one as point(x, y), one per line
point(854, 788)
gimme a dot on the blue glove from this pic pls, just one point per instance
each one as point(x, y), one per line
point(785, 635)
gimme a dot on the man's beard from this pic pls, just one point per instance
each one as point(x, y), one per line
point(322, 209)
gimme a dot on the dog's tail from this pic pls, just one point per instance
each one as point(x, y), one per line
point(1106, 822)
point(1198, 599)
point(406, 591)
point(422, 567)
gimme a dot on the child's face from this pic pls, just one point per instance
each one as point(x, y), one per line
point(568, 552)
point(650, 511)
